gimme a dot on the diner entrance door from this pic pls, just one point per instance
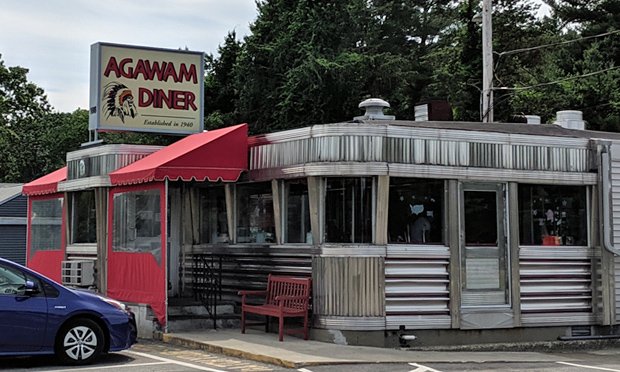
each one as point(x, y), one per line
point(484, 266)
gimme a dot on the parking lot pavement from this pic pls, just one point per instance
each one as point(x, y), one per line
point(156, 356)
point(145, 356)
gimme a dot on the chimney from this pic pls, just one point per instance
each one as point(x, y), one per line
point(433, 110)
point(570, 119)
point(374, 110)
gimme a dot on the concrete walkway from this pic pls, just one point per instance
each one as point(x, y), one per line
point(295, 352)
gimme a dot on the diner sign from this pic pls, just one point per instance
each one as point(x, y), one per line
point(146, 89)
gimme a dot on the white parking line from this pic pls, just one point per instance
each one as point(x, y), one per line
point(108, 367)
point(172, 361)
point(421, 368)
point(304, 370)
point(590, 367)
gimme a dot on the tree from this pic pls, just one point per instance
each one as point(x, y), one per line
point(220, 91)
point(22, 106)
point(292, 71)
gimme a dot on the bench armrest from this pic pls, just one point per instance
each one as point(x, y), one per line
point(243, 294)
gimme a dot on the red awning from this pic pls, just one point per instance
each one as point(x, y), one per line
point(47, 184)
point(220, 154)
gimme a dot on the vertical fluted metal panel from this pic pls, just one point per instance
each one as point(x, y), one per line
point(410, 150)
point(348, 286)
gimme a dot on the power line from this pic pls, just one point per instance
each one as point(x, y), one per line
point(516, 51)
point(560, 80)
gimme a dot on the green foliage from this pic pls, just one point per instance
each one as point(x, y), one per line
point(23, 107)
point(308, 62)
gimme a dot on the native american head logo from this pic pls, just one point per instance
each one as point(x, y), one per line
point(118, 101)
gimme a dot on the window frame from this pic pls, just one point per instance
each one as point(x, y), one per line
point(444, 194)
point(588, 215)
point(237, 215)
point(33, 225)
point(74, 215)
point(373, 211)
point(284, 187)
point(203, 193)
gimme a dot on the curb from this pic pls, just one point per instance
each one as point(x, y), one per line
point(536, 346)
point(175, 340)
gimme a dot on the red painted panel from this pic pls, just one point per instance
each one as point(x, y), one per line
point(47, 262)
point(137, 276)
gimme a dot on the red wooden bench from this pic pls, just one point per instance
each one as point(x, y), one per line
point(285, 297)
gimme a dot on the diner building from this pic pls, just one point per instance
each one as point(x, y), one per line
point(446, 232)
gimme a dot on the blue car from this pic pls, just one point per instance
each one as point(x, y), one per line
point(39, 316)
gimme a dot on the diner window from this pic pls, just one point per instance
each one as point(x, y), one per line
point(255, 220)
point(552, 215)
point(84, 226)
point(296, 212)
point(213, 220)
point(349, 210)
point(137, 222)
point(416, 211)
point(46, 225)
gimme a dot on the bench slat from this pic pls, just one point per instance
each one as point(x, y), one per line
point(284, 297)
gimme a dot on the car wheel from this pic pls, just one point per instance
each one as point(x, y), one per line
point(79, 342)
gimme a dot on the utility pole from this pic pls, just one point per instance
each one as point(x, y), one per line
point(487, 62)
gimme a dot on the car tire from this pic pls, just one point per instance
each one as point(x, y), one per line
point(79, 342)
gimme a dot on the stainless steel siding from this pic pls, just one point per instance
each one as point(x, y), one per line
point(246, 267)
point(347, 147)
point(615, 215)
point(348, 286)
point(617, 286)
point(417, 287)
point(556, 285)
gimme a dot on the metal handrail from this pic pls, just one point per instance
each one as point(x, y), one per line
point(207, 282)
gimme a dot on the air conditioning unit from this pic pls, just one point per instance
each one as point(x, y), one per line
point(78, 273)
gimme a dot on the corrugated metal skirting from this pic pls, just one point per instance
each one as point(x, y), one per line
point(348, 286)
point(556, 285)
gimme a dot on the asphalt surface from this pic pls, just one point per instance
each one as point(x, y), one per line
point(156, 356)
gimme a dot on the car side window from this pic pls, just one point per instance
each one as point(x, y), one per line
point(12, 281)
point(49, 290)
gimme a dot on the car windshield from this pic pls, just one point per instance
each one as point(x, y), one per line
point(9, 276)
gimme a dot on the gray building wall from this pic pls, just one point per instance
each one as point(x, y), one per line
point(13, 211)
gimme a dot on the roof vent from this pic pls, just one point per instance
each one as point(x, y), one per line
point(374, 110)
point(570, 119)
point(532, 119)
point(526, 119)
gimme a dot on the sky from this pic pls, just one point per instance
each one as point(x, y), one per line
point(52, 38)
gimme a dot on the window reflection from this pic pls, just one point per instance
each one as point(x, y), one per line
point(552, 215)
point(213, 220)
point(84, 229)
point(416, 211)
point(137, 222)
point(46, 225)
point(297, 209)
point(348, 210)
point(255, 220)
point(480, 218)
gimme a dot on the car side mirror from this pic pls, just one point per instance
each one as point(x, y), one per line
point(31, 288)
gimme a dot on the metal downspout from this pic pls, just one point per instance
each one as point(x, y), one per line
point(605, 204)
